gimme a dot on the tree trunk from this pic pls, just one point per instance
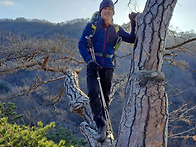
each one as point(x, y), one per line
point(144, 120)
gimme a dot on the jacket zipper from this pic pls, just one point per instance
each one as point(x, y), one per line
point(105, 40)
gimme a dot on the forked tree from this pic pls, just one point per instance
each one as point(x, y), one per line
point(144, 120)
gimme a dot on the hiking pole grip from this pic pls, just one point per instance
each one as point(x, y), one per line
point(90, 46)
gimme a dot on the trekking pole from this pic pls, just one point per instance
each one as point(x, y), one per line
point(110, 133)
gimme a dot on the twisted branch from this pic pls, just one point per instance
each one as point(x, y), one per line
point(79, 103)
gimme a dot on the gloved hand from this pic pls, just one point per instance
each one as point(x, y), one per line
point(93, 65)
point(132, 16)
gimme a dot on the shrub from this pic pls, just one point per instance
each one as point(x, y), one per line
point(9, 111)
point(21, 136)
point(58, 133)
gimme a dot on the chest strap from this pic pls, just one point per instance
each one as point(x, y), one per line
point(104, 55)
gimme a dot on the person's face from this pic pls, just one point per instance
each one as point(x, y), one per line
point(107, 13)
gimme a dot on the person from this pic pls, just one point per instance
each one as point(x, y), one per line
point(104, 40)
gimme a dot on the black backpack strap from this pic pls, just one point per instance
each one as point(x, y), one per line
point(94, 20)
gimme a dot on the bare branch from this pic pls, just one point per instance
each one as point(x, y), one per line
point(179, 135)
point(57, 98)
point(115, 2)
point(181, 44)
point(181, 64)
point(22, 91)
point(79, 103)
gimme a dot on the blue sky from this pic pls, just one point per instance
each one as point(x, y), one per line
point(57, 11)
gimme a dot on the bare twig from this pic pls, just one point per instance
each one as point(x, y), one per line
point(180, 44)
point(115, 2)
point(179, 135)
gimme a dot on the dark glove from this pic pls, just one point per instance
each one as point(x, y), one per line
point(93, 65)
point(132, 16)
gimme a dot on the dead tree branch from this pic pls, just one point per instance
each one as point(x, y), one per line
point(180, 44)
point(79, 103)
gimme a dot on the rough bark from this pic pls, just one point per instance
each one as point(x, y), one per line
point(145, 114)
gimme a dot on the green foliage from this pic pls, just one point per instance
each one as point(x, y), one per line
point(20, 136)
point(12, 134)
point(9, 111)
point(58, 133)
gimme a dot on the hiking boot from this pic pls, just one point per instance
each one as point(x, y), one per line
point(102, 134)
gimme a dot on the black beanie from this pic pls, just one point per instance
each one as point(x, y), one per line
point(106, 3)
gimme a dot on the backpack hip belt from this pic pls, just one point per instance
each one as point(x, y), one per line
point(104, 55)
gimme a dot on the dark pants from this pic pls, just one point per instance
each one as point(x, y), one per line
point(106, 75)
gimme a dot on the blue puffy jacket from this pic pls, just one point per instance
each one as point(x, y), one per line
point(104, 40)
